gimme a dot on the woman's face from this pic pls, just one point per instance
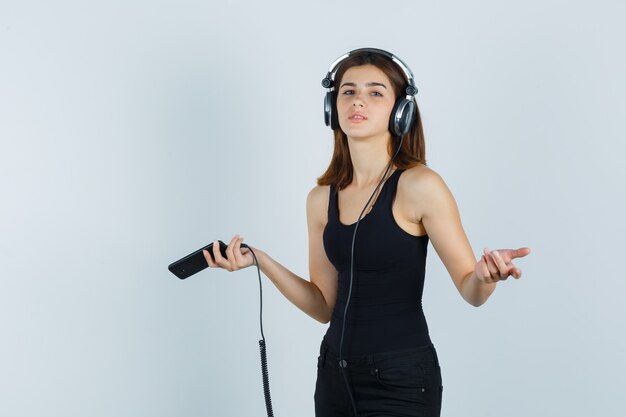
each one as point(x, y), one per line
point(365, 99)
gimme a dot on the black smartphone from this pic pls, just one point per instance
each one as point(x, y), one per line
point(195, 262)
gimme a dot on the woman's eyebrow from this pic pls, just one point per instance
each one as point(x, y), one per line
point(372, 84)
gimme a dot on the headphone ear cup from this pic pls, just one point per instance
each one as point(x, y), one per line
point(334, 120)
point(402, 117)
point(328, 108)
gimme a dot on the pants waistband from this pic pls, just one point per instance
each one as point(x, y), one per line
point(427, 353)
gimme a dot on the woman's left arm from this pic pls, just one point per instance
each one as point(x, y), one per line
point(437, 209)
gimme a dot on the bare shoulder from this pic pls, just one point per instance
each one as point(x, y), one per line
point(422, 176)
point(421, 186)
point(317, 204)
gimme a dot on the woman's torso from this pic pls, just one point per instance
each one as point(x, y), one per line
point(385, 311)
point(407, 216)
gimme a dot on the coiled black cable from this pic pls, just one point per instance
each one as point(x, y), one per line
point(264, 372)
point(342, 363)
point(266, 382)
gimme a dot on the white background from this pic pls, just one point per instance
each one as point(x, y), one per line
point(133, 132)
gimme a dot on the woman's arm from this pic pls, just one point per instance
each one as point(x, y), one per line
point(317, 297)
point(436, 207)
point(303, 294)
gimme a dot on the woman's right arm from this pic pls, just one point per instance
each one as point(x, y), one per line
point(315, 297)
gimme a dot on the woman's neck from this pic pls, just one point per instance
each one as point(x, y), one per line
point(369, 161)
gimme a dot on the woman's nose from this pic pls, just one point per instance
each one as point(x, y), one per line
point(357, 101)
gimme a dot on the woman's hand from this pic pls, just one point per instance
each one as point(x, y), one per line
point(237, 258)
point(496, 265)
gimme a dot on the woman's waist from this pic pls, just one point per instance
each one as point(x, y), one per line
point(363, 313)
point(363, 336)
point(363, 359)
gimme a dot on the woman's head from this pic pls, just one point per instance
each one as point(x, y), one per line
point(364, 100)
point(358, 69)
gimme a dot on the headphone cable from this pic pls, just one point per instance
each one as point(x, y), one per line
point(343, 364)
point(262, 347)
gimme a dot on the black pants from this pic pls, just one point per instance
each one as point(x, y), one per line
point(403, 383)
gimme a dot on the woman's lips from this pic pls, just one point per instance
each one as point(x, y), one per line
point(357, 118)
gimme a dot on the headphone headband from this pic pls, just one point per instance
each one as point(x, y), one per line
point(403, 114)
point(328, 81)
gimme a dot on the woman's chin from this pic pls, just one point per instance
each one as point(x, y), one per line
point(361, 134)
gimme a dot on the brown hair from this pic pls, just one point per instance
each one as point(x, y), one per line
point(413, 150)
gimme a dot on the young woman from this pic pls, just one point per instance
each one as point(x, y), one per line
point(380, 360)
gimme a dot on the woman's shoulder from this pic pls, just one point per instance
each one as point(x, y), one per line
point(319, 192)
point(420, 176)
point(317, 202)
point(419, 186)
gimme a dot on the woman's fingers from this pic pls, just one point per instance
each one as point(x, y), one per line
point(230, 255)
point(207, 256)
point(519, 253)
point(491, 265)
point(219, 259)
point(496, 265)
point(234, 259)
point(485, 269)
point(239, 260)
point(516, 273)
point(503, 269)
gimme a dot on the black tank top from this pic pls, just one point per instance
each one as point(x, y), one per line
point(385, 311)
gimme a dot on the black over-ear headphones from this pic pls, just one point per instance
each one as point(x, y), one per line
point(403, 114)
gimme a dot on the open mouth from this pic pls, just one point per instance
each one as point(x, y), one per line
point(357, 118)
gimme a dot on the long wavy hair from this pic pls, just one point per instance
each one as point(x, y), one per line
point(413, 150)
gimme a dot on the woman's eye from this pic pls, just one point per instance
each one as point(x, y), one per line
point(347, 92)
point(377, 93)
